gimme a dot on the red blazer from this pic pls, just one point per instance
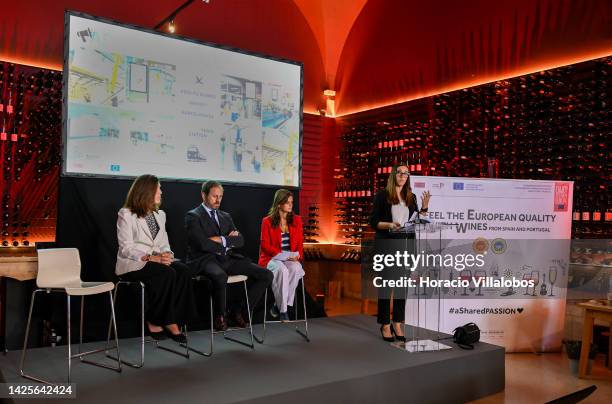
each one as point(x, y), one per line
point(271, 239)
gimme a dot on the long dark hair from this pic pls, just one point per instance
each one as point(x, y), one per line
point(141, 196)
point(280, 197)
point(406, 192)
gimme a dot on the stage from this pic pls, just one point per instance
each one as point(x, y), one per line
point(346, 361)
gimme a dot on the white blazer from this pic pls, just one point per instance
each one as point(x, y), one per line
point(135, 240)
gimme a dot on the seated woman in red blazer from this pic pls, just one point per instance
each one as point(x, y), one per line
point(281, 231)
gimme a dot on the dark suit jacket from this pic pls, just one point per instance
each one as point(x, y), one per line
point(200, 226)
point(381, 212)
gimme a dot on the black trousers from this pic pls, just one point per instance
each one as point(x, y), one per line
point(384, 307)
point(398, 294)
point(168, 292)
point(218, 270)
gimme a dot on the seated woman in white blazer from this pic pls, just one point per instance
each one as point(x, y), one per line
point(145, 256)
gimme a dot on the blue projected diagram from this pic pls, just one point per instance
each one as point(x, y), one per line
point(143, 103)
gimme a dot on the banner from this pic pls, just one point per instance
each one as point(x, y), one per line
point(523, 230)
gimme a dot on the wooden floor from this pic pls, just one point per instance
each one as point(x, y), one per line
point(534, 378)
point(344, 306)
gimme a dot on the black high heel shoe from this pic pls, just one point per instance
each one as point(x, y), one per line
point(398, 337)
point(387, 339)
point(157, 335)
point(180, 338)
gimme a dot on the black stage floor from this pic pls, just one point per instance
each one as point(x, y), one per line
point(346, 361)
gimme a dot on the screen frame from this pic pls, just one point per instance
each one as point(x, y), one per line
point(65, 173)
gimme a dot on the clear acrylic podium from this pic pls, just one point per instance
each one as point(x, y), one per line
point(426, 235)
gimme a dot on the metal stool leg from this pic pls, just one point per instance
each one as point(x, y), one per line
point(142, 323)
point(252, 344)
point(305, 335)
point(263, 334)
point(296, 321)
point(142, 329)
point(81, 354)
point(186, 346)
point(212, 335)
point(112, 303)
point(246, 295)
point(142, 341)
point(114, 296)
point(69, 337)
point(81, 325)
point(25, 343)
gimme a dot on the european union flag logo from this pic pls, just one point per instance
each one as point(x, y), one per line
point(458, 186)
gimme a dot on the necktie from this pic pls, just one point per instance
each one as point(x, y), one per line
point(213, 215)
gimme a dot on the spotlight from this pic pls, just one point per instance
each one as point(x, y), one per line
point(171, 27)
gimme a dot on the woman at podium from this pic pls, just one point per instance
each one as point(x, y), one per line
point(393, 207)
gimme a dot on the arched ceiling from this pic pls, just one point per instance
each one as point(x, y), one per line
point(372, 52)
point(399, 50)
point(331, 22)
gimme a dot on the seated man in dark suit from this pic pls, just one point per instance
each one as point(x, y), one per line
point(211, 236)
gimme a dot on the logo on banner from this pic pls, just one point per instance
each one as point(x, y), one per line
point(458, 186)
point(480, 245)
point(561, 197)
point(419, 185)
point(498, 246)
point(437, 185)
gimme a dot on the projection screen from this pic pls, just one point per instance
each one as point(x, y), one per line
point(138, 101)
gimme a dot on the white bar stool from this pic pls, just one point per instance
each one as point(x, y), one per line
point(230, 279)
point(143, 340)
point(296, 321)
point(59, 270)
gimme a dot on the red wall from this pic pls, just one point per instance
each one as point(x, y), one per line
point(320, 148)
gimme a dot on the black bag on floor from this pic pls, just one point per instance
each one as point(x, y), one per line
point(466, 336)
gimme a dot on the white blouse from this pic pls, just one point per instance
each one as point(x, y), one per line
point(400, 213)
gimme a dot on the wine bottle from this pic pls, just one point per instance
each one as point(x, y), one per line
point(586, 214)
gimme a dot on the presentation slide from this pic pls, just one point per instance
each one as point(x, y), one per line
point(139, 102)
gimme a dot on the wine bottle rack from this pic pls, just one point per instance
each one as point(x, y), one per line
point(311, 227)
point(548, 125)
point(30, 141)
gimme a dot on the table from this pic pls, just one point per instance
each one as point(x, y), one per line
point(593, 311)
point(20, 268)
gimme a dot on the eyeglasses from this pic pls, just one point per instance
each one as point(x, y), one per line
point(403, 173)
